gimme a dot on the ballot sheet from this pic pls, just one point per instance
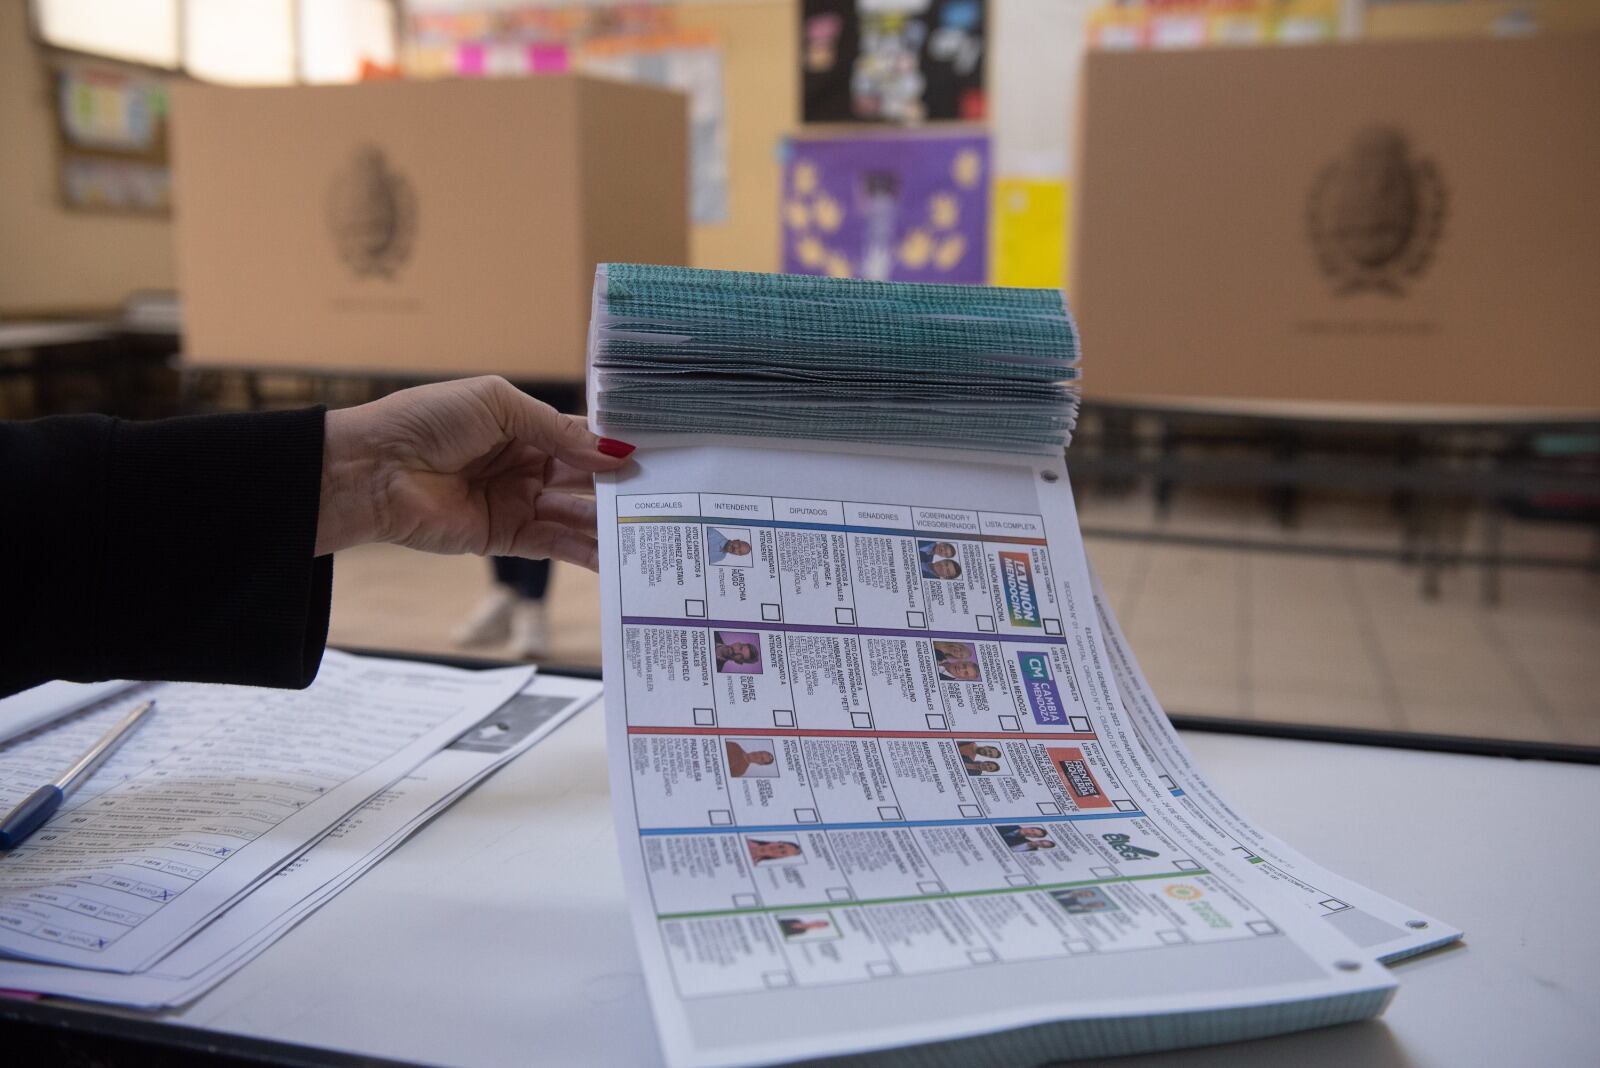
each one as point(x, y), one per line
point(217, 789)
point(875, 785)
point(1369, 919)
point(315, 877)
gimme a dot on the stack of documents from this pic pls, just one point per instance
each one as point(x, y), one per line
point(736, 353)
point(234, 812)
point(884, 769)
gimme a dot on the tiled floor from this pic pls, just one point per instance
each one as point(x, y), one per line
point(1249, 634)
point(389, 598)
point(1350, 641)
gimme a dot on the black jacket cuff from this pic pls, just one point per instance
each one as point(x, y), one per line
point(179, 549)
point(227, 506)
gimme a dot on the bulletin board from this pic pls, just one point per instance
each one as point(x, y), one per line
point(111, 139)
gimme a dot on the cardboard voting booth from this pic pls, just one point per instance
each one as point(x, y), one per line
point(1407, 222)
point(430, 228)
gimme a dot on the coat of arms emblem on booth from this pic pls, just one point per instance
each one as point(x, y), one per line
point(1375, 214)
point(372, 214)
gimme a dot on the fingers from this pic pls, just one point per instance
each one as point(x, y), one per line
point(564, 529)
point(526, 460)
point(569, 511)
point(561, 476)
point(578, 549)
point(565, 437)
point(547, 539)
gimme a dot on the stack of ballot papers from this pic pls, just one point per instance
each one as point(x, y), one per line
point(676, 349)
point(234, 812)
point(887, 779)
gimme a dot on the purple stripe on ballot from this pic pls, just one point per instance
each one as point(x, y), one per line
point(842, 528)
point(821, 628)
point(886, 825)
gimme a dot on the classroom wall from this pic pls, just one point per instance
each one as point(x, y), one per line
point(761, 87)
point(53, 260)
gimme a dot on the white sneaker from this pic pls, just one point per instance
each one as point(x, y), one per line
point(490, 622)
point(530, 629)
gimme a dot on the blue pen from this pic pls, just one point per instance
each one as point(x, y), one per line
point(40, 805)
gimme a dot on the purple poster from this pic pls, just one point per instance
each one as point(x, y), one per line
point(900, 209)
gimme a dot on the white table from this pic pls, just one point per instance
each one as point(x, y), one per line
point(46, 333)
point(498, 936)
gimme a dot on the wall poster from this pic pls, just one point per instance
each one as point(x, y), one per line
point(896, 61)
point(902, 209)
point(1030, 232)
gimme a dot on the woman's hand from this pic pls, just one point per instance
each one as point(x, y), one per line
point(474, 466)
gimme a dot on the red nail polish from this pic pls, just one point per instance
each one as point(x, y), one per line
point(613, 447)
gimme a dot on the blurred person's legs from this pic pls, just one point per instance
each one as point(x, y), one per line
point(530, 621)
point(514, 609)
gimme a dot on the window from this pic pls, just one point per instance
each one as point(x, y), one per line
point(245, 42)
point(241, 42)
point(141, 31)
point(335, 39)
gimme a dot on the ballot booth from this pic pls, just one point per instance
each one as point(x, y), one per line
point(421, 229)
point(1347, 267)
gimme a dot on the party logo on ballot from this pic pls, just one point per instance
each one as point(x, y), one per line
point(1016, 579)
point(1073, 767)
point(1039, 683)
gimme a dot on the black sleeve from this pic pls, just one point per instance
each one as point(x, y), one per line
point(178, 549)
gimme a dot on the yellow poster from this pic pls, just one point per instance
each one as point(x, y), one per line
point(1030, 232)
point(1135, 24)
point(1509, 18)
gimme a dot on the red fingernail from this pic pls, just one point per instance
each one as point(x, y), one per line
point(613, 447)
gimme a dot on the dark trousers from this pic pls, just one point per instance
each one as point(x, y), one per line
point(528, 577)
